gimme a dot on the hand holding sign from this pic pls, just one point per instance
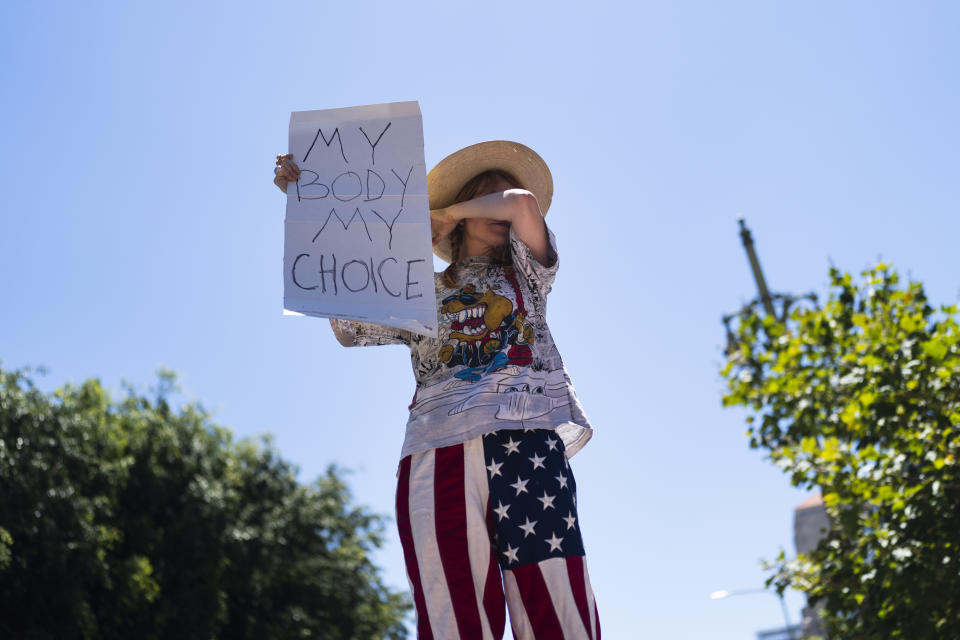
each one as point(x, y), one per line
point(357, 214)
point(286, 171)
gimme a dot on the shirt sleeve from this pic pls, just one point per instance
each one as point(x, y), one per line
point(538, 277)
point(351, 333)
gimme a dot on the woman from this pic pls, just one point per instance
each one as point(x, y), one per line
point(486, 500)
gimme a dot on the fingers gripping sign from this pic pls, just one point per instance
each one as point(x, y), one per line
point(285, 171)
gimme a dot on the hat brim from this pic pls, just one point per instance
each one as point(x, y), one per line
point(447, 178)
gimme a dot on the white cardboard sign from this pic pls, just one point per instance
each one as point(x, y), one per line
point(357, 230)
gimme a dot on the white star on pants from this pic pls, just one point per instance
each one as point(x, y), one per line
point(547, 501)
point(520, 485)
point(537, 462)
point(528, 527)
point(554, 542)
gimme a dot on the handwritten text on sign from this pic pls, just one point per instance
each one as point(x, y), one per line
point(358, 220)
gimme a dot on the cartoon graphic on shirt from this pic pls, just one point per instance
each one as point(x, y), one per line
point(518, 401)
point(486, 333)
point(490, 342)
point(494, 364)
point(511, 393)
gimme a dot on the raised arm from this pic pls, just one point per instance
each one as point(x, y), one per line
point(517, 206)
point(352, 333)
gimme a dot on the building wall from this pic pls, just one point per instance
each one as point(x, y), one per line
point(810, 524)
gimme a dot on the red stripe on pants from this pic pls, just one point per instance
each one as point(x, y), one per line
point(451, 523)
point(537, 602)
point(409, 552)
point(596, 615)
point(579, 587)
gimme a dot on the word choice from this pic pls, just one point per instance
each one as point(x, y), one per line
point(354, 275)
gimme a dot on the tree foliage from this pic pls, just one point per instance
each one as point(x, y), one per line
point(861, 399)
point(130, 519)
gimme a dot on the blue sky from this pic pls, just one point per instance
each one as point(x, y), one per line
point(140, 228)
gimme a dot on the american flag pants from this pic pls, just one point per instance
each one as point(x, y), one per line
point(501, 504)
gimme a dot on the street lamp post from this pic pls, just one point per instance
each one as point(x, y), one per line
point(764, 298)
point(725, 593)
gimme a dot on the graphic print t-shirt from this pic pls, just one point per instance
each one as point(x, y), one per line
point(494, 364)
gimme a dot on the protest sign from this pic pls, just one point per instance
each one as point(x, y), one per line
point(357, 231)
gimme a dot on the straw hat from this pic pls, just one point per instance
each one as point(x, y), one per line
point(447, 178)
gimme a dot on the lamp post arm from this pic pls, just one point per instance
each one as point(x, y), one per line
point(755, 267)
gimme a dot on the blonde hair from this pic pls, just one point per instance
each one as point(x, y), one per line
point(501, 255)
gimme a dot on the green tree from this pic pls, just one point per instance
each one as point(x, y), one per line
point(130, 519)
point(861, 399)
